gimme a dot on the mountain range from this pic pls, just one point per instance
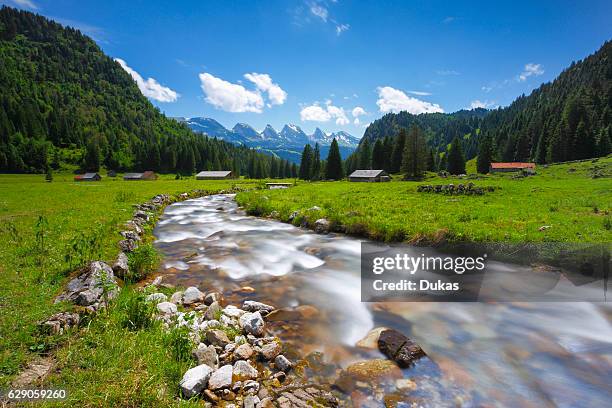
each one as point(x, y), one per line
point(287, 144)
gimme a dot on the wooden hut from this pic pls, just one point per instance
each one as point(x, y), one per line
point(513, 166)
point(214, 175)
point(88, 177)
point(147, 175)
point(371, 176)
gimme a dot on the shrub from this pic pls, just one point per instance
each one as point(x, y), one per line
point(142, 261)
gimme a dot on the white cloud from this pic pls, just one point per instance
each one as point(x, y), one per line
point(394, 100)
point(356, 121)
point(263, 82)
point(487, 88)
point(358, 111)
point(446, 72)
point(319, 11)
point(531, 70)
point(481, 104)
point(449, 19)
point(230, 97)
point(420, 93)
point(150, 87)
point(340, 28)
point(26, 4)
point(317, 113)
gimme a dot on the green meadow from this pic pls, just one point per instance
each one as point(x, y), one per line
point(48, 229)
point(562, 203)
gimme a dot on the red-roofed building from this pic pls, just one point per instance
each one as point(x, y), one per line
point(514, 166)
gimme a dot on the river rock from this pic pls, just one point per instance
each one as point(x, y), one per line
point(376, 372)
point(130, 235)
point(251, 387)
point(233, 312)
point(321, 226)
point(156, 297)
point(282, 363)
point(221, 378)
point(253, 306)
point(251, 401)
point(120, 267)
point(270, 350)
point(60, 322)
point(213, 311)
point(128, 245)
point(213, 297)
point(399, 348)
point(195, 380)
point(206, 355)
point(177, 297)
point(243, 352)
point(167, 308)
point(88, 288)
point(192, 295)
point(217, 338)
point(244, 371)
point(370, 341)
point(252, 323)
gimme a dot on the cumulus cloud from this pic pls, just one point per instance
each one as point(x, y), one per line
point(25, 4)
point(150, 87)
point(230, 97)
point(263, 82)
point(356, 121)
point(481, 104)
point(394, 100)
point(531, 70)
point(318, 113)
point(358, 111)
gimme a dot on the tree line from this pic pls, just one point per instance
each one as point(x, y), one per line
point(313, 168)
point(63, 101)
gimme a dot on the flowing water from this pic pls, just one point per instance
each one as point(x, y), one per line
point(507, 354)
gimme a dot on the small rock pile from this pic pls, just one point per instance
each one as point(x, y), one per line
point(451, 189)
point(95, 285)
point(237, 363)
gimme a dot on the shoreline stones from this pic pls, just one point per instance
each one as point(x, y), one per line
point(195, 380)
point(399, 348)
point(92, 288)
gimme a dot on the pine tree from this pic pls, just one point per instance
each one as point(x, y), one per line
point(91, 161)
point(398, 151)
point(315, 171)
point(333, 168)
point(414, 161)
point(485, 155)
point(378, 155)
point(456, 159)
point(365, 155)
point(306, 163)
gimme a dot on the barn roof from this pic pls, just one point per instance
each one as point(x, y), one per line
point(218, 173)
point(513, 165)
point(86, 176)
point(133, 175)
point(368, 173)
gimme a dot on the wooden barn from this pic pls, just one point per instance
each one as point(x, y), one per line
point(513, 166)
point(88, 177)
point(214, 175)
point(371, 176)
point(147, 175)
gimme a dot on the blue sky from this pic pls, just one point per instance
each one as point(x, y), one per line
point(334, 64)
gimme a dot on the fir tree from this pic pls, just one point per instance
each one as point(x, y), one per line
point(315, 171)
point(306, 163)
point(398, 151)
point(456, 159)
point(365, 155)
point(485, 155)
point(378, 155)
point(414, 161)
point(333, 168)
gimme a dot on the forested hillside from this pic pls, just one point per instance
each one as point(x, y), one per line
point(567, 119)
point(63, 100)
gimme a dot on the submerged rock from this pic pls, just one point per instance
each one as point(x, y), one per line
point(399, 348)
point(372, 372)
point(195, 380)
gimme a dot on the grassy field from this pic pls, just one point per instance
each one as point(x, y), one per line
point(564, 197)
point(39, 224)
point(109, 363)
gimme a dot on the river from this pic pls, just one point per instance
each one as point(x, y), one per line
point(505, 354)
